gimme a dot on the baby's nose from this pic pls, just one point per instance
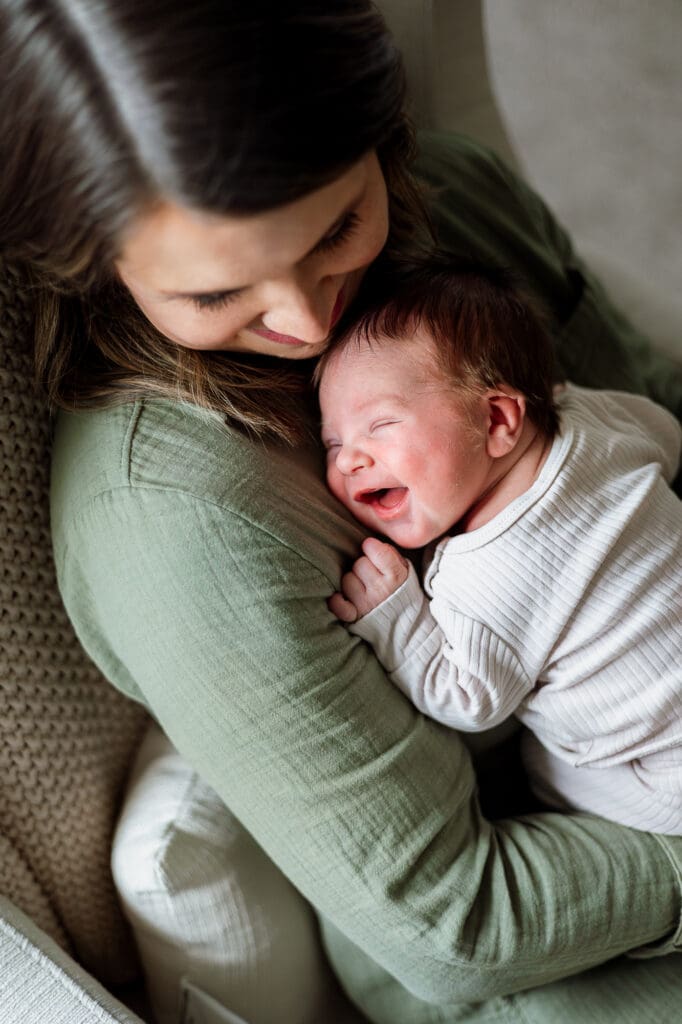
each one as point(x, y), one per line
point(351, 459)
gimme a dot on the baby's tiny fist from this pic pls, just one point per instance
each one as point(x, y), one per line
point(387, 560)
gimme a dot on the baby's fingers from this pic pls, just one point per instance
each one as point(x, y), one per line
point(363, 574)
point(386, 559)
point(354, 583)
point(342, 608)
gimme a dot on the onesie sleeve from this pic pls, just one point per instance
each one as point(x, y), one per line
point(453, 668)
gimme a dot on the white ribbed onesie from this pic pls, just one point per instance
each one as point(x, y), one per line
point(565, 609)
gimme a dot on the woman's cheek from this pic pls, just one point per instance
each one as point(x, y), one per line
point(376, 240)
point(367, 245)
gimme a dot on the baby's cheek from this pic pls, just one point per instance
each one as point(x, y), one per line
point(335, 483)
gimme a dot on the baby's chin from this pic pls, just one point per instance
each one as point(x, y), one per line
point(410, 538)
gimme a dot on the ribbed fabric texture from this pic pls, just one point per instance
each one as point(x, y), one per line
point(66, 737)
point(566, 609)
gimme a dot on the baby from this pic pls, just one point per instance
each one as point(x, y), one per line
point(555, 586)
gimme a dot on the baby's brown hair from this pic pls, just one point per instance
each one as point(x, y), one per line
point(485, 327)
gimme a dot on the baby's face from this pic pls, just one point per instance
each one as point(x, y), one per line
point(405, 449)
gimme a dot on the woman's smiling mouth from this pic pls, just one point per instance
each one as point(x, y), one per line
point(281, 339)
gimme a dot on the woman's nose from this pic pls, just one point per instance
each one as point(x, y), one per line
point(301, 310)
point(350, 459)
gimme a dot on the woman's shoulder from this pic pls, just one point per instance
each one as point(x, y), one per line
point(453, 164)
point(440, 152)
point(147, 459)
point(145, 445)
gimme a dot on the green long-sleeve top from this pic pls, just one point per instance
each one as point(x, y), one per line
point(195, 564)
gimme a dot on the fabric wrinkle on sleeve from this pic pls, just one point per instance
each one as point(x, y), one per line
point(473, 680)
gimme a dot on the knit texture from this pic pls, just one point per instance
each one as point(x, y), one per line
point(66, 737)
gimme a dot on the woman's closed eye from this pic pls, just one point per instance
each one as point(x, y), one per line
point(339, 233)
point(214, 300)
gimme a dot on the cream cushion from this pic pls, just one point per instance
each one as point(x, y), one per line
point(207, 905)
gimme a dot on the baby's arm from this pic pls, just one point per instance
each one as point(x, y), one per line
point(454, 669)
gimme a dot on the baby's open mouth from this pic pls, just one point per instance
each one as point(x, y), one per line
point(386, 499)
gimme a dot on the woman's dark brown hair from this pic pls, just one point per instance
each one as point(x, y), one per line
point(219, 105)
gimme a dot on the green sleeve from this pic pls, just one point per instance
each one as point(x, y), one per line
point(214, 609)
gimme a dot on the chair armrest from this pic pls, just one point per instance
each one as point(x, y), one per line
point(41, 984)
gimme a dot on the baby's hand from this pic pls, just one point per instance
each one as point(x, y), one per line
point(372, 579)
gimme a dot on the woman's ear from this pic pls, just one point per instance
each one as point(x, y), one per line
point(506, 416)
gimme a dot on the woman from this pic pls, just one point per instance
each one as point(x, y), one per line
point(198, 191)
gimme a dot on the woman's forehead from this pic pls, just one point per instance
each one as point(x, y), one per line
point(173, 249)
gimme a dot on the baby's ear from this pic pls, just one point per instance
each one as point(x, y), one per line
point(506, 415)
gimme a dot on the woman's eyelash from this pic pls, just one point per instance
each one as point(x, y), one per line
point(340, 234)
point(213, 300)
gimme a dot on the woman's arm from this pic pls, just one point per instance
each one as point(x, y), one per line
point(196, 566)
